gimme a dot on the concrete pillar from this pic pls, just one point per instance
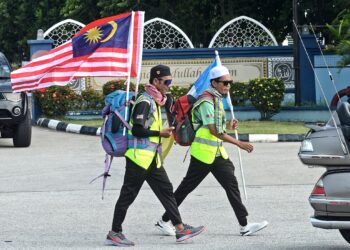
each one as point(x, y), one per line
point(37, 48)
point(307, 77)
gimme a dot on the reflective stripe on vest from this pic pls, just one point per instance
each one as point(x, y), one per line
point(208, 142)
point(205, 145)
point(146, 148)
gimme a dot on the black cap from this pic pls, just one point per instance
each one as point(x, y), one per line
point(159, 71)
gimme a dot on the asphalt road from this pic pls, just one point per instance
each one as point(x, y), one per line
point(46, 201)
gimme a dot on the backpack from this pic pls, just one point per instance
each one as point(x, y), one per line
point(181, 118)
point(114, 130)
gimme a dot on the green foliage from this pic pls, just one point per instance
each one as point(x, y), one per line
point(111, 7)
point(83, 10)
point(57, 100)
point(92, 99)
point(178, 91)
point(24, 17)
point(20, 21)
point(239, 93)
point(113, 85)
point(266, 95)
point(340, 30)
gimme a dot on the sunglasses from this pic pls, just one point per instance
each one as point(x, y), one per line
point(225, 83)
point(166, 82)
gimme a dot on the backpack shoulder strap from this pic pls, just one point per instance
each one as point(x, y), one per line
point(126, 124)
point(204, 97)
point(145, 97)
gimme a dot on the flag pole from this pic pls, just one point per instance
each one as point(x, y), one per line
point(130, 46)
point(139, 58)
point(236, 133)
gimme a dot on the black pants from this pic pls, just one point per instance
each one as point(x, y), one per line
point(159, 182)
point(223, 171)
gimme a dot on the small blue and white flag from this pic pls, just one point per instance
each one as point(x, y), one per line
point(203, 82)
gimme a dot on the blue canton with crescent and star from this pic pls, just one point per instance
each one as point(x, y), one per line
point(82, 46)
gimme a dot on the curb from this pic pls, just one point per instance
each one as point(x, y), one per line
point(68, 127)
point(86, 130)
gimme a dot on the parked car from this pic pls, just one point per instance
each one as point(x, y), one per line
point(328, 146)
point(15, 117)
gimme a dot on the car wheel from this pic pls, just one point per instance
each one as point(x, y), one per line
point(23, 132)
point(346, 234)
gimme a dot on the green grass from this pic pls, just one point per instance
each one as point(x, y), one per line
point(271, 127)
point(245, 127)
point(91, 123)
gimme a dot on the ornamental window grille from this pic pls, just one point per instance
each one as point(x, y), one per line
point(243, 32)
point(161, 34)
point(63, 31)
point(60, 33)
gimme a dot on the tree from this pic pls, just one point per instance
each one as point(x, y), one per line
point(199, 19)
point(83, 11)
point(20, 21)
point(340, 30)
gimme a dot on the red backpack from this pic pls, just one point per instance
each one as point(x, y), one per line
point(179, 116)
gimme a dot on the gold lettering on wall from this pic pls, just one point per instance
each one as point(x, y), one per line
point(186, 72)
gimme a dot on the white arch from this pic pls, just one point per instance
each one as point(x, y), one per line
point(63, 22)
point(239, 18)
point(172, 25)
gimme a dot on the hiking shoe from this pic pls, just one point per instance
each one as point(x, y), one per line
point(251, 228)
point(166, 227)
point(188, 232)
point(118, 239)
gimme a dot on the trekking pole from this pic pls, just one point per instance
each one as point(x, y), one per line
point(239, 150)
point(236, 133)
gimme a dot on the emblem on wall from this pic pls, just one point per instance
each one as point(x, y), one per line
point(282, 67)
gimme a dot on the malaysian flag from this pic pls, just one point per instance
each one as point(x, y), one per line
point(108, 47)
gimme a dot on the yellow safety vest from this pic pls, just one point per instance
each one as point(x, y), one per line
point(143, 150)
point(206, 146)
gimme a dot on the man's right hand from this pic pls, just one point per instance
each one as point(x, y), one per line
point(245, 146)
point(167, 132)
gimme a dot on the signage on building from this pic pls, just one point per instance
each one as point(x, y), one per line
point(186, 72)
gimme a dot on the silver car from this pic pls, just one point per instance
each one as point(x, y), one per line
point(328, 146)
point(15, 118)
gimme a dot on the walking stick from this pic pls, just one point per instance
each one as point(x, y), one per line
point(239, 150)
point(236, 133)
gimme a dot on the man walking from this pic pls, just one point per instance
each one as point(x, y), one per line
point(144, 162)
point(209, 155)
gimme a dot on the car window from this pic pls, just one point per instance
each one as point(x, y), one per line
point(4, 68)
point(4, 71)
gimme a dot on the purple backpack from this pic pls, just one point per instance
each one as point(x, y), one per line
point(114, 130)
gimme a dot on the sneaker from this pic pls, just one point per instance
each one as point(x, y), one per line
point(118, 239)
point(251, 228)
point(166, 227)
point(188, 232)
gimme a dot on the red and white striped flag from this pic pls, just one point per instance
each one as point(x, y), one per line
point(138, 44)
point(108, 47)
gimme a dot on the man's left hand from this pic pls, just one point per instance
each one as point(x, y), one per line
point(232, 125)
